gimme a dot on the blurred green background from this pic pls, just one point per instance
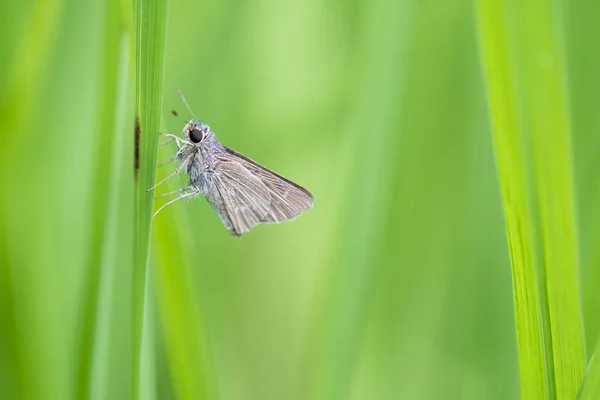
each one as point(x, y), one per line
point(396, 285)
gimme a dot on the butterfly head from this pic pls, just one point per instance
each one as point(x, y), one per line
point(196, 131)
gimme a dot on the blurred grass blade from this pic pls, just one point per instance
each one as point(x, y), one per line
point(584, 82)
point(590, 388)
point(113, 321)
point(150, 47)
point(111, 89)
point(349, 289)
point(187, 348)
point(525, 73)
point(21, 352)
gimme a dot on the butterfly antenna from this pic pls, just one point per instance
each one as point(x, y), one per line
point(186, 104)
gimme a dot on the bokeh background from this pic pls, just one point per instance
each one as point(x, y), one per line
point(396, 285)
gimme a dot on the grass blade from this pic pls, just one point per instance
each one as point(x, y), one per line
point(150, 47)
point(186, 342)
point(112, 345)
point(584, 82)
point(110, 137)
point(510, 160)
point(590, 388)
point(526, 80)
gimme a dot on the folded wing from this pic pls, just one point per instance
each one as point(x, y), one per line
point(287, 199)
point(240, 198)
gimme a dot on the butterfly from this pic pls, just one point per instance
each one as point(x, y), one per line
point(241, 191)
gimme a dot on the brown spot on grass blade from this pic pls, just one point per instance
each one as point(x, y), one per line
point(136, 155)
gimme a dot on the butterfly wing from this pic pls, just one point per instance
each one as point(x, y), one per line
point(240, 198)
point(287, 199)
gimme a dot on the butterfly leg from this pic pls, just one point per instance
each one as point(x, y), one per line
point(177, 139)
point(166, 143)
point(171, 193)
point(182, 196)
point(170, 160)
point(169, 141)
point(166, 178)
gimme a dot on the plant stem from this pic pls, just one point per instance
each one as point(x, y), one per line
point(150, 18)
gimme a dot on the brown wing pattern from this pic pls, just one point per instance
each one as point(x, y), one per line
point(287, 199)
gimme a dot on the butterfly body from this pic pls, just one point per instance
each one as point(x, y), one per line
point(197, 158)
point(241, 191)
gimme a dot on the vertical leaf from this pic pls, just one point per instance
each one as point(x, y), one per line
point(150, 47)
point(108, 137)
point(526, 80)
point(112, 345)
point(186, 344)
point(584, 82)
point(510, 160)
point(590, 388)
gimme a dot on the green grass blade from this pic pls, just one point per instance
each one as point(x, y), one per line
point(590, 388)
point(584, 82)
point(510, 160)
point(113, 321)
point(547, 115)
point(186, 344)
point(150, 48)
point(526, 80)
point(24, 73)
point(110, 137)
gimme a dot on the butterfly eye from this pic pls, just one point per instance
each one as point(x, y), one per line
point(196, 135)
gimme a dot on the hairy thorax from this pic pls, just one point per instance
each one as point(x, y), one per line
point(197, 159)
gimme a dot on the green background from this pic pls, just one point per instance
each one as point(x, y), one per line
point(396, 285)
